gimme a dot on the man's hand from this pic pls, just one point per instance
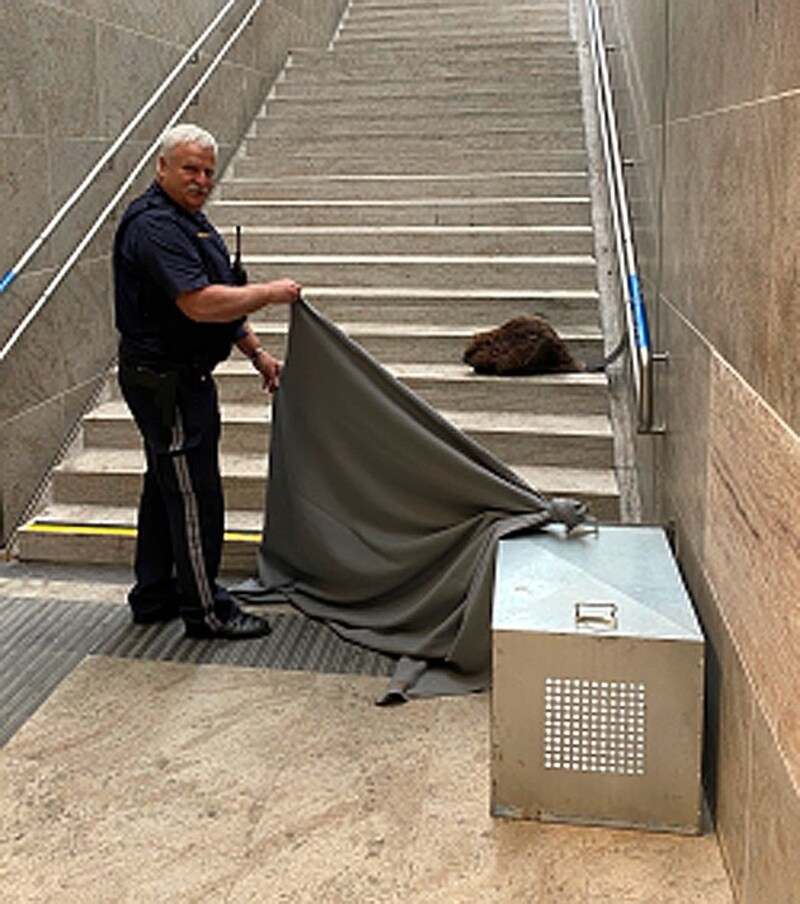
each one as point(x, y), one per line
point(270, 369)
point(283, 291)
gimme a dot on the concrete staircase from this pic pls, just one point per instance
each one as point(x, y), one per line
point(424, 178)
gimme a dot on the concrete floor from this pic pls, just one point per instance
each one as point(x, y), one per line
point(154, 782)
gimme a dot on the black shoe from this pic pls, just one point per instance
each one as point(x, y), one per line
point(239, 626)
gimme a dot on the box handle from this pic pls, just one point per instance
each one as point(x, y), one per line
point(596, 615)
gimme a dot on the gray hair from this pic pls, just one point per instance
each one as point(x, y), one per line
point(187, 133)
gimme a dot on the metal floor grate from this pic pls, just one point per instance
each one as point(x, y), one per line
point(42, 641)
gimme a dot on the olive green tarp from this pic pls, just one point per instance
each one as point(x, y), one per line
point(382, 518)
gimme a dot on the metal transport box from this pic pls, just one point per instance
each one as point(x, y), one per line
point(597, 687)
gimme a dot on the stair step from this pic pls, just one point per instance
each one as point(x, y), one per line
point(597, 488)
point(457, 387)
point(427, 60)
point(446, 34)
point(564, 309)
point(379, 6)
point(437, 25)
point(402, 144)
point(93, 534)
point(113, 477)
point(443, 386)
point(570, 312)
point(343, 87)
point(522, 211)
point(441, 23)
point(353, 80)
point(433, 240)
point(430, 16)
point(388, 121)
point(554, 440)
point(245, 427)
point(384, 120)
point(322, 162)
point(434, 271)
point(105, 535)
point(392, 187)
point(407, 343)
point(102, 479)
point(570, 440)
point(476, 101)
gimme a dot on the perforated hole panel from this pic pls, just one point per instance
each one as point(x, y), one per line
point(594, 725)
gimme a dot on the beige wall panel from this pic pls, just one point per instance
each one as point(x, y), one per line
point(642, 182)
point(647, 455)
point(21, 101)
point(732, 770)
point(643, 29)
point(683, 390)
point(24, 195)
point(78, 156)
point(144, 62)
point(85, 314)
point(26, 384)
point(776, 375)
point(168, 21)
point(731, 224)
point(732, 240)
point(717, 52)
point(271, 39)
point(729, 257)
point(25, 454)
point(773, 867)
point(14, 306)
point(780, 60)
point(724, 54)
point(63, 63)
point(228, 119)
point(27, 447)
point(753, 544)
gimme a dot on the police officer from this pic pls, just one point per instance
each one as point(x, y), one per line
point(179, 312)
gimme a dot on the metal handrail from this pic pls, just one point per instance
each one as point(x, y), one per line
point(190, 54)
point(638, 331)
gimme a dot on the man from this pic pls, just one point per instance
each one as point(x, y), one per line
point(178, 313)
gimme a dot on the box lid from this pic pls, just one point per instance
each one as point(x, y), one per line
point(621, 580)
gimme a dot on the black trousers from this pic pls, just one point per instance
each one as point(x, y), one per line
point(181, 509)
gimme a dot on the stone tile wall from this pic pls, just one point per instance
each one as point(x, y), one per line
point(73, 74)
point(711, 114)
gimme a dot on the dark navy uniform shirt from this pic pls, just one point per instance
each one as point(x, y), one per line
point(161, 251)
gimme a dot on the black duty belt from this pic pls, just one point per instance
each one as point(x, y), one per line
point(163, 383)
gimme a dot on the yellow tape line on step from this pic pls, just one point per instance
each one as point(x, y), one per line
point(90, 530)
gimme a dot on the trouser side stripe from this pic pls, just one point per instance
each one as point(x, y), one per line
point(192, 524)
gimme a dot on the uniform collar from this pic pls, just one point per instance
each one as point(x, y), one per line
point(199, 218)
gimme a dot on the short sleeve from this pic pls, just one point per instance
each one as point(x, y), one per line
point(168, 256)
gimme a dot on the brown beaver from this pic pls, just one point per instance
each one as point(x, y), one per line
point(524, 345)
